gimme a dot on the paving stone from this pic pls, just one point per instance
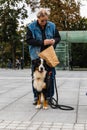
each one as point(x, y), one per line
point(55, 129)
point(68, 126)
point(43, 129)
point(21, 128)
point(67, 129)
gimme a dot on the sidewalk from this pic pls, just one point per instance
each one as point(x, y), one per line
point(18, 113)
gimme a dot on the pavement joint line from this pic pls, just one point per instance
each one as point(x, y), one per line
point(19, 125)
point(15, 101)
point(11, 90)
point(78, 102)
point(15, 78)
point(28, 78)
point(34, 115)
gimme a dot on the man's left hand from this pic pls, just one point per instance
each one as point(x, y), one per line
point(52, 41)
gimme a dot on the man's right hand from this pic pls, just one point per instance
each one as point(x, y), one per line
point(49, 42)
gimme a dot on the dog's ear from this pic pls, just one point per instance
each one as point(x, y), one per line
point(36, 63)
point(44, 62)
point(34, 68)
point(46, 66)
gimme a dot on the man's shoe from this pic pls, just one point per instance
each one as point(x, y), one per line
point(35, 102)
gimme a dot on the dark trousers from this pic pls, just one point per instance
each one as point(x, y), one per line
point(50, 87)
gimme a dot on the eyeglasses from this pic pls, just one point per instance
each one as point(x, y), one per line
point(42, 21)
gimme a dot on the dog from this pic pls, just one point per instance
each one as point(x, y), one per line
point(39, 84)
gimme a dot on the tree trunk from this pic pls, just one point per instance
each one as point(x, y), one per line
point(13, 48)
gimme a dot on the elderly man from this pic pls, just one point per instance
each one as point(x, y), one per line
point(42, 33)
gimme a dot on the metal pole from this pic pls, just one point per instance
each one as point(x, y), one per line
point(2, 55)
point(23, 50)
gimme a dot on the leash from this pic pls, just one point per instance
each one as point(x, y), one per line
point(54, 102)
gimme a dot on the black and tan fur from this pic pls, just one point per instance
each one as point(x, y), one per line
point(39, 83)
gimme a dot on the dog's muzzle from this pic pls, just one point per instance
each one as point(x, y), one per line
point(41, 68)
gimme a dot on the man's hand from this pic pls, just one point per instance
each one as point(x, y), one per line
point(52, 41)
point(49, 42)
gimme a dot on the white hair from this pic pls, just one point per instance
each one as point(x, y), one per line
point(43, 12)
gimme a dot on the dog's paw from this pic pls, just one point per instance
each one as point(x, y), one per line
point(38, 106)
point(45, 108)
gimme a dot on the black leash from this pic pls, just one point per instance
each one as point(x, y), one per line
point(54, 102)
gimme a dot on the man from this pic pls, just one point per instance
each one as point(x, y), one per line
point(42, 33)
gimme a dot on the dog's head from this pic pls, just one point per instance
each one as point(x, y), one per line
point(39, 65)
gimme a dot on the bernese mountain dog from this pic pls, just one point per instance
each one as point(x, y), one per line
point(39, 83)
